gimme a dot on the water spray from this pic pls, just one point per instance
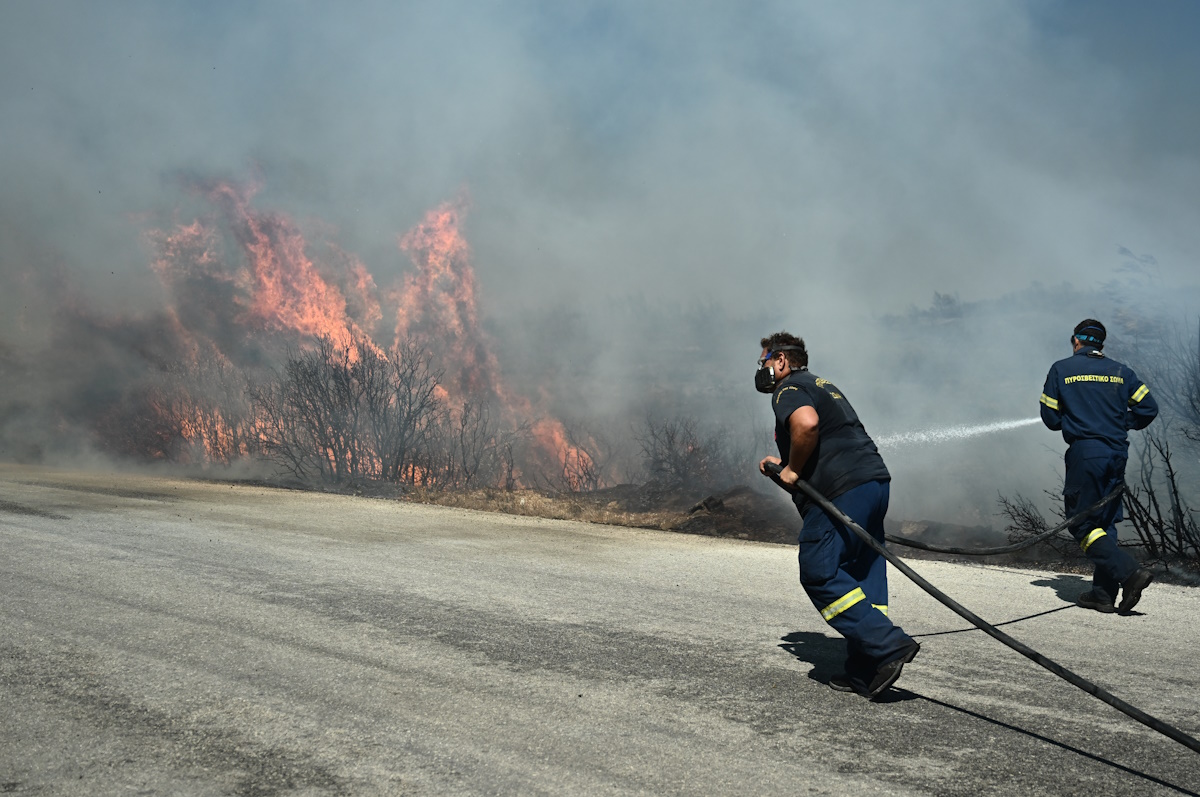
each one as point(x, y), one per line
point(1154, 723)
point(947, 433)
point(944, 434)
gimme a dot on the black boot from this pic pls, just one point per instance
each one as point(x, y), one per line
point(888, 673)
point(1131, 590)
point(1095, 600)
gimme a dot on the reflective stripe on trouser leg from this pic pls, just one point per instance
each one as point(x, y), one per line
point(843, 603)
point(858, 620)
point(1087, 541)
point(882, 608)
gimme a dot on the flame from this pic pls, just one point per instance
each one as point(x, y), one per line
point(575, 464)
point(437, 303)
point(286, 292)
point(275, 287)
point(241, 272)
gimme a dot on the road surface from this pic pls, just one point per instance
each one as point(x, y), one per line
point(161, 636)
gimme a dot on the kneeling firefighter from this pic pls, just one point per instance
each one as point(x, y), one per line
point(821, 440)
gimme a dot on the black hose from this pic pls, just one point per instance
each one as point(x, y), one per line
point(987, 628)
point(1016, 546)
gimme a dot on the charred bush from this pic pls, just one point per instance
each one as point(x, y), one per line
point(341, 415)
point(1156, 506)
point(337, 414)
point(402, 407)
point(1163, 521)
point(682, 451)
point(1025, 521)
point(466, 447)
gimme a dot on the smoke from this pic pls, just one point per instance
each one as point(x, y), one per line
point(653, 187)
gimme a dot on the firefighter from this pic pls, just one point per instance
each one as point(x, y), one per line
point(1095, 401)
point(821, 440)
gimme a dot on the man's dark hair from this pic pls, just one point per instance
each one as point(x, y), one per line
point(797, 357)
point(1090, 332)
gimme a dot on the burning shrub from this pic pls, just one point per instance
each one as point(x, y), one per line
point(271, 345)
point(348, 413)
point(339, 414)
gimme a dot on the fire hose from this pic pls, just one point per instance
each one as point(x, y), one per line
point(1016, 546)
point(1153, 723)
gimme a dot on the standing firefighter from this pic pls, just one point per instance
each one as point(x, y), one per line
point(821, 440)
point(1095, 401)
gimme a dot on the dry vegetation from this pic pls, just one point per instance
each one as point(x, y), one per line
point(738, 512)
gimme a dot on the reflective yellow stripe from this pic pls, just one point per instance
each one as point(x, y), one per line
point(882, 608)
point(1089, 539)
point(1049, 402)
point(1139, 394)
point(843, 603)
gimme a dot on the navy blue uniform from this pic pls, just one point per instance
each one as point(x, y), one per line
point(845, 579)
point(1095, 401)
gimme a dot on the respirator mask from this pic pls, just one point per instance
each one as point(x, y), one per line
point(764, 377)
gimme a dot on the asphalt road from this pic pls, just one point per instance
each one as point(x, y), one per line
point(171, 637)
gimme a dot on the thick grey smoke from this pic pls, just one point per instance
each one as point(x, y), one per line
point(652, 186)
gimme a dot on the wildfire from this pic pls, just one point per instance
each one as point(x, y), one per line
point(241, 279)
point(437, 303)
point(274, 287)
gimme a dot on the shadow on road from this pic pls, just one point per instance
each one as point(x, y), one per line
point(1066, 587)
point(1056, 743)
point(827, 656)
point(824, 653)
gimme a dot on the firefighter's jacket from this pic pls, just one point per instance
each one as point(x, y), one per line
point(1093, 398)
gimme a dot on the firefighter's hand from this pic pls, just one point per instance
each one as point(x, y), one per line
point(789, 476)
point(762, 466)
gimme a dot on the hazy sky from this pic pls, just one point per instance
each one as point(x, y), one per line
point(839, 156)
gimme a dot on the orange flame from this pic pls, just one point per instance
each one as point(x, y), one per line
point(276, 285)
point(438, 304)
point(285, 289)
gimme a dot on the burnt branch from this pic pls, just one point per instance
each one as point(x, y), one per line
point(340, 414)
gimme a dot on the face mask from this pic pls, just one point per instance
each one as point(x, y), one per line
point(764, 379)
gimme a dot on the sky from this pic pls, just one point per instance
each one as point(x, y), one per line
point(817, 165)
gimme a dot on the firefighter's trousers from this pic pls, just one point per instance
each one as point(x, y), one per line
point(847, 581)
point(1093, 471)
